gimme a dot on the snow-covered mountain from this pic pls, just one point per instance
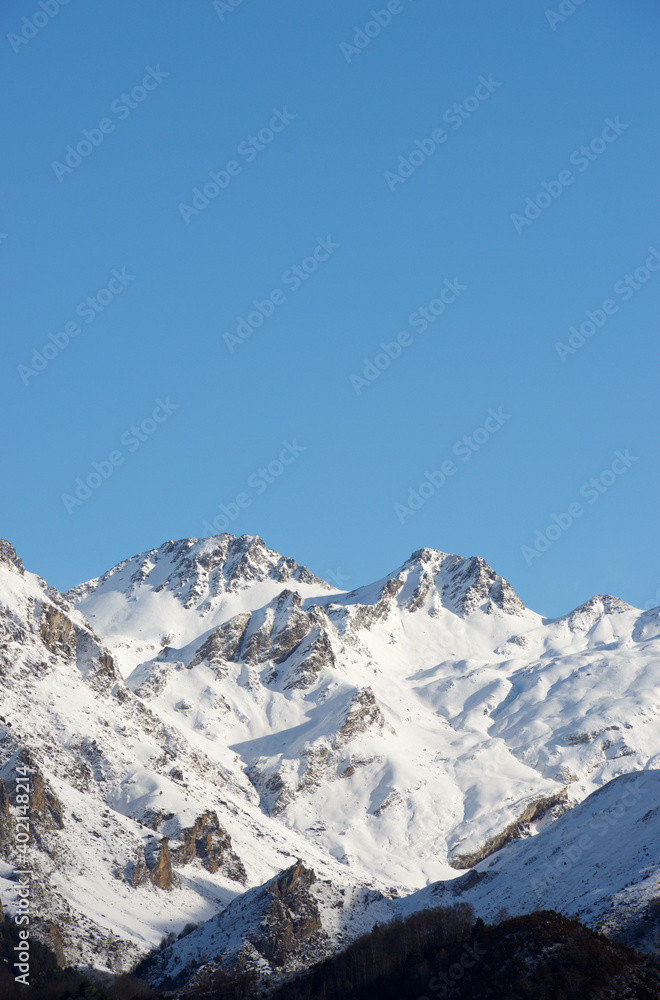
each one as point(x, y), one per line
point(597, 863)
point(209, 714)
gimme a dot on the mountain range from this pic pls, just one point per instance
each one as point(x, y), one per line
point(233, 759)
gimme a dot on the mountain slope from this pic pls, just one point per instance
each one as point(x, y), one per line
point(598, 863)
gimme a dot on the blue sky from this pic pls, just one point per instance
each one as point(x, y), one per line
point(356, 200)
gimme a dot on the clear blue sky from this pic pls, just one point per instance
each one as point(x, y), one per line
point(169, 91)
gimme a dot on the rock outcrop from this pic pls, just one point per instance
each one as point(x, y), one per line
point(136, 872)
point(472, 583)
point(514, 831)
point(292, 918)
point(9, 558)
point(151, 864)
point(297, 643)
point(224, 643)
point(45, 811)
point(207, 841)
point(159, 865)
point(57, 630)
point(363, 713)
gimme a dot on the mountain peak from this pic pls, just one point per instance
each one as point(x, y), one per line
point(462, 584)
point(426, 555)
point(9, 557)
point(198, 570)
point(584, 617)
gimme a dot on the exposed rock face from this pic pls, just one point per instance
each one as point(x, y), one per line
point(155, 682)
point(57, 631)
point(367, 614)
point(519, 828)
point(206, 840)
point(224, 643)
point(62, 637)
point(363, 713)
point(9, 558)
point(151, 864)
point(503, 596)
point(12, 631)
point(274, 793)
point(392, 799)
point(317, 656)
point(293, 630)
point(256, 645)
point(425, 587)
point(103, 673)
point(472, 582)
point(288, 637)
point(159, 866)
point(45, 810)
point(136, 871)
point(292, 917)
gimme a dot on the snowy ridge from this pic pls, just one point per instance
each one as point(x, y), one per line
point(170, 590)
